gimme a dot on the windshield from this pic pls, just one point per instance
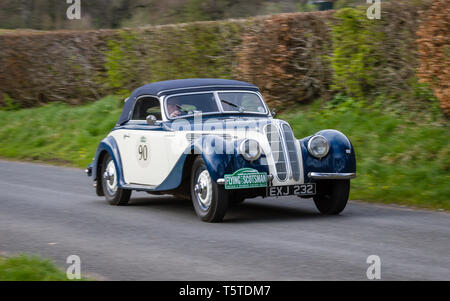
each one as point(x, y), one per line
point(243, 102)
point(181, 105)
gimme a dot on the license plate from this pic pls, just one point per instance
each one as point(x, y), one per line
point(301, 189)
point(246, 178)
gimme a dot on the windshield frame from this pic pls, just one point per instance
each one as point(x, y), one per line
point(245, 112)
point(218, 103)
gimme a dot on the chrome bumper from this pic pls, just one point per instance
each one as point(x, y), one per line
point(331, 176)
point(88, 171)
point(313, 175)
point(221, 181)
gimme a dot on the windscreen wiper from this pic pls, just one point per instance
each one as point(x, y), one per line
point(241, 109)
point(182, 109)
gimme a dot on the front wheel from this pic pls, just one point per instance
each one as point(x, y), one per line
point(113, 194)
point(209, 199)
point(332, 196)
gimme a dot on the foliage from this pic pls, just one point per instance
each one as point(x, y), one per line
point(286, 57)
point(8, 103)
point(294, 58)
point(338, 4)
point(378, 58)
point(51, 14)
point(57, 66)
point(434, 51)
point(137, 57)
point(354, 52)
point(120, 61)
point(29, 268)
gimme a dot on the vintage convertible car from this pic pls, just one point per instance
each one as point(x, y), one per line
point(216, 142)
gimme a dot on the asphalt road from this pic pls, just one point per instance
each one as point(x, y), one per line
point(54, 212)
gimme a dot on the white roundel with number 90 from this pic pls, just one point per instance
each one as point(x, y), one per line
point(142, 152)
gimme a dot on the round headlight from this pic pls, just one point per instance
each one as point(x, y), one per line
point(318, 146)
point(250, 149)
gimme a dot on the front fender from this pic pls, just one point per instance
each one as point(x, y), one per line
point(340, 159)
point(221, 156)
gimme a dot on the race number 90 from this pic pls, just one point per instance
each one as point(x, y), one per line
point(143, 152)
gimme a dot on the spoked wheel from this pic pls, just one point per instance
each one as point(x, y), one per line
point(209, 199)
point(333, 196)
point(113, 194)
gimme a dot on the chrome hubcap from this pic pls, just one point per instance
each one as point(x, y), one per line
point(203, 190)
point(110, 178)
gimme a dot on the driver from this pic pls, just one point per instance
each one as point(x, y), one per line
point(173, 110)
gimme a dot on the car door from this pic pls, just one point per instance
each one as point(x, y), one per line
point(146, 155)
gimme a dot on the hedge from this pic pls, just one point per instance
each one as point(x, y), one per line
point(434, 51)
point(293, 57)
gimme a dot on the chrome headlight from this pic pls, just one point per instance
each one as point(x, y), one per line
point(318, 146)
point(250, 149)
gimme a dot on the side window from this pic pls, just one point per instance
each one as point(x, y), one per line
point(146, 106)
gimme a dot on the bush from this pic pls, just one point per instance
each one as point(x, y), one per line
point(434, 51)
point(286, 57)
point(354, 52)
point(378, 57)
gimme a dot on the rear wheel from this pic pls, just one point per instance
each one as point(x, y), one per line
point(332, 196)
point(113, 194)
point(209, 199)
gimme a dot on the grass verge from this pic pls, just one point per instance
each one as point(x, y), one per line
point(398, 159)
point(58, 133)
point(29, 268)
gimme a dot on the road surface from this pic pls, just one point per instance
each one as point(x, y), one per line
point(54, 212)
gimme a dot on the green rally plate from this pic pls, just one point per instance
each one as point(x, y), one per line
point(246, 178)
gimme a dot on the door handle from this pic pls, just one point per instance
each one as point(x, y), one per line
point(125, 136)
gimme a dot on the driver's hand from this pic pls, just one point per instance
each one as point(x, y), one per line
point(175, 113)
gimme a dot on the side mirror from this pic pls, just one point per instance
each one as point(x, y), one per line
point(151, 119)
point(274, 112)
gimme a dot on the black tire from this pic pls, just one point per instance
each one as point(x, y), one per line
point(332, 196)
point(118, 198)
point(219, 197)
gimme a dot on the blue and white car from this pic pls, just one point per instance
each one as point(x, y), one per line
point(215, 142)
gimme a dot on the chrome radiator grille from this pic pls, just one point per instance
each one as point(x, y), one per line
point(292, 151)
point(284, 154)
point(277, 146)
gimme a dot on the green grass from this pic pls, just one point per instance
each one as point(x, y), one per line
point(57, 132)
point(29, 268)
point(399, 159)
